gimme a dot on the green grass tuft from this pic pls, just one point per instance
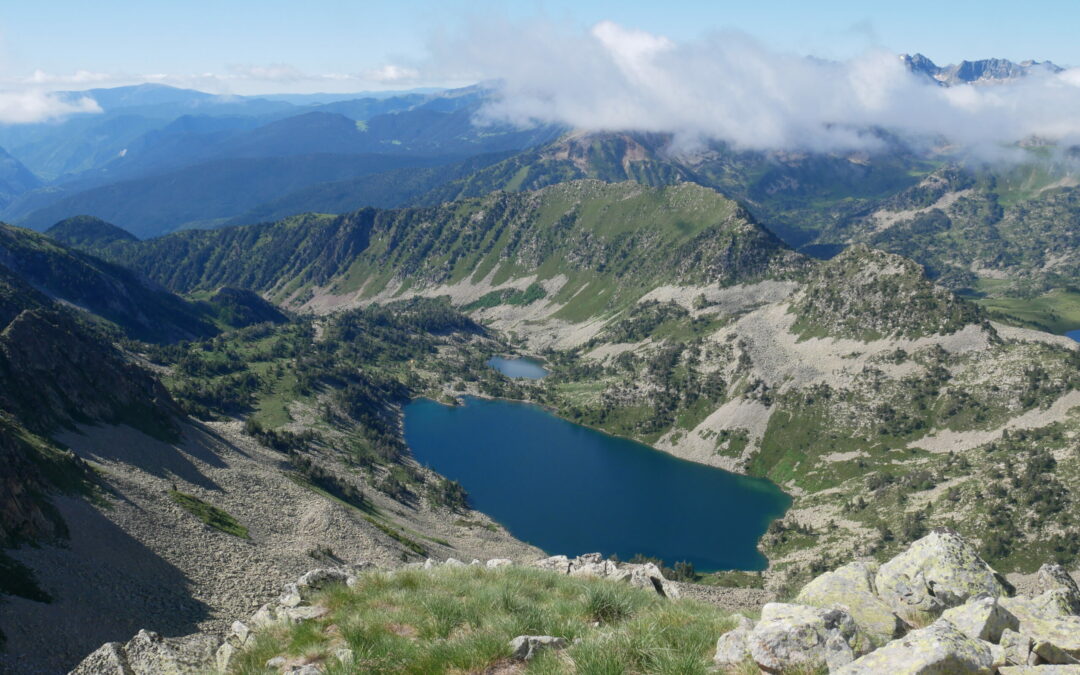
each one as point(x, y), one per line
point(209, 514)
point(462, 620)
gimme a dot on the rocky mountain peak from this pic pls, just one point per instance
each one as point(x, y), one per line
point(981, 71)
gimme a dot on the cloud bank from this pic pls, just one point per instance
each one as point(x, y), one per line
point(732, 88)
point(27, 106)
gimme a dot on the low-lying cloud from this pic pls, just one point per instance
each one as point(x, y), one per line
point(730, 87)
point(32, 105)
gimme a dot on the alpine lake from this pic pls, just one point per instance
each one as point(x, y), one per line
point(569, 489)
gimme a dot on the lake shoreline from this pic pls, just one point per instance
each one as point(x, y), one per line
point(598, 473)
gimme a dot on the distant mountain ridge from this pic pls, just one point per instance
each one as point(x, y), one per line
point(982, 71)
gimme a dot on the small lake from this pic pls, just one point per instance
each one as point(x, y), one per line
point(1074, 334)
point(530, 370)
point(569, 489)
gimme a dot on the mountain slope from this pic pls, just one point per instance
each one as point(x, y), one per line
point(205, 194)
point(618, 239)
point(15, 179)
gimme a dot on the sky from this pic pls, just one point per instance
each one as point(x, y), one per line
point(276, 46)
point(759, 75)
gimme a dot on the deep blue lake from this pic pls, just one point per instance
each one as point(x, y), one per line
point(1074, 334)
point(569, 489)
point(530, 370)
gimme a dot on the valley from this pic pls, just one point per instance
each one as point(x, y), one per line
point(242, 338)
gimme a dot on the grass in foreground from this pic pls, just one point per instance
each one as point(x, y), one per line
point(461, 620)
point(209, 514)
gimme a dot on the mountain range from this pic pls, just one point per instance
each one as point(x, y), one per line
point(213, 312)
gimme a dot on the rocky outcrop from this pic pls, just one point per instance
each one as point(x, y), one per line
point(150, 654)
point(937, 572)
point(796, 636)
point(852, 588)
point(840, 622)
point(645, 575)
point(862, 619)
point(939, 648)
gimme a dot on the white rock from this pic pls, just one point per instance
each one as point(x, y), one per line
point(525, 647)
point(937, 572)
point(499, 562)
point(982, 618)
point(796, 636)
point(731, 647)
point(936, 650)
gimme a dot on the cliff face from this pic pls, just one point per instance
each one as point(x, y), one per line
point(54, 372)
point(22, 515)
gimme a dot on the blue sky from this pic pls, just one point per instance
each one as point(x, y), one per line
point(278, 45)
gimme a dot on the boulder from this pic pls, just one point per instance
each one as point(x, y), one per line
point(224, 656)
point(263, 617)
point(344, 656)
point(525, 647)
point(499, 562)
point(1058, 602)
point(150, 654)
point(290, 596)
point(937, 572)
point(647, 576)
point(935, 650)
point(1054, 579)
point(1047, 652)
point(732, 648)
point(556, 563)
point(317, 580)
point(1017, 647)
point(982, 618)
point(108, 659)
point(851, 588)
point(602, 569)
point(1063, 632)
point(796, 636)
point(239, 633)
point(1039, 670)
point(454, 562)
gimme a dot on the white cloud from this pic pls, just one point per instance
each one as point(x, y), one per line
point(391, 73)
point(730, 87)
point(23, 107)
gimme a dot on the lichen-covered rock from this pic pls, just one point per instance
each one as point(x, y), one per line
point(851, 587)
point(936, 650)
point(525, 647)
point(290, 596)
point(1047, 652)
point(937, 572)
point(796, 636)
point(982, 618)
point(649, 577)
point(1062, 632)
point(1053, 578)
point(150, 654)
point(316, 580)
point(224, 657)
point(499, 562)
point(108, 659)
point(1017, 647)
point(263, 617)
point(603, 569)
point(731, 647)
point(1056, 603)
